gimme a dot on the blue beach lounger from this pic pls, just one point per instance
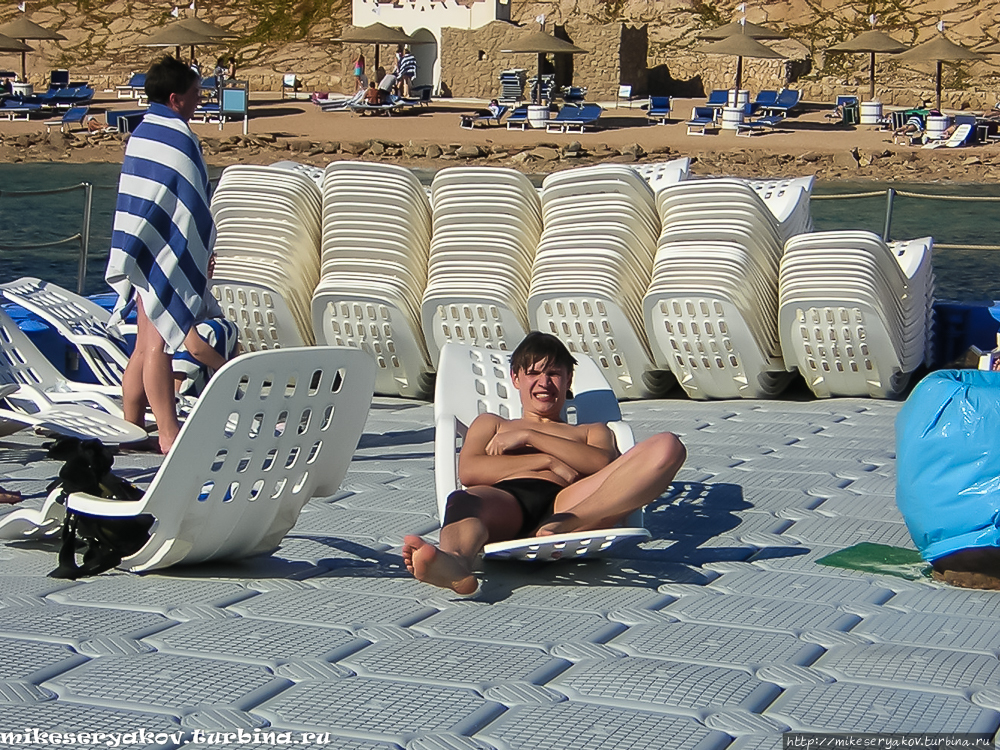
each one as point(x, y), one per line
point(518, 118)
point(750, 127)
point(572, 116)
point(659, 109)
point(702, 118)
point(74, 115)
point(469, 121)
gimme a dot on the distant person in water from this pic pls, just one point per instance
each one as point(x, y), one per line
point(538, 475)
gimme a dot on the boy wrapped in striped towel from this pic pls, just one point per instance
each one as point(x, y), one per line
point(161, 247)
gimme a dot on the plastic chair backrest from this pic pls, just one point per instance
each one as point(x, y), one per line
point(703, 113)
point(472, 381)
point(842, 100)
point(289, 80)
point(77, 319)
point(264, 319)
point(659, 103)
point(272, 430)
point(625, 91)
point(21, 361)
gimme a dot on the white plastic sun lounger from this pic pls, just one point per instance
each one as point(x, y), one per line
point(38, 395)
point(272, 430)
point(472, 380)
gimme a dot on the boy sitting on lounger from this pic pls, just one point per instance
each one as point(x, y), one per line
point(538, 475)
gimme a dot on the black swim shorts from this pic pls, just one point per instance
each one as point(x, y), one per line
point(535, 496)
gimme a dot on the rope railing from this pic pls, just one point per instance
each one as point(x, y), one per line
point(83, 236)
point(890, 195)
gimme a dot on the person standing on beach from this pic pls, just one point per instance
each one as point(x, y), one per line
point(161, 245)
point(406, 71)
point(359, 71)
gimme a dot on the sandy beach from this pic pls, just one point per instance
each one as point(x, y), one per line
point(808, 143)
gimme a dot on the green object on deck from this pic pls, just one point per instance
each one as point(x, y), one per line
point(881, 559)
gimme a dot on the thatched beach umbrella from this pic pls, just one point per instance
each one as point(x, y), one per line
point(205, 28)
point(175, 35)
point(870, 42)
point(377, 33)
point(938, 50)
point(23, 28)
point(542, 44)
point(742, 46)
point(751, 30)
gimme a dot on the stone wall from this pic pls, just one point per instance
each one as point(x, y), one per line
point(471, 60)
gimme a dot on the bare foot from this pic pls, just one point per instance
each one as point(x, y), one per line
point(559, 523)
point(429, 564)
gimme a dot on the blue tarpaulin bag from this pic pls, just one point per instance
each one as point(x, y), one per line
point(948, 462)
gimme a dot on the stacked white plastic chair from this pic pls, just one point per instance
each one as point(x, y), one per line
point(376, 237)
point(855, 315)
point(487, 222)
point(789, 201)
point(592, 267)
point(711, 307)
point(267, 247)
point(663, 174)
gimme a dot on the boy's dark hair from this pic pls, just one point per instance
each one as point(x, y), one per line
point(541, 347)
point(168, 76)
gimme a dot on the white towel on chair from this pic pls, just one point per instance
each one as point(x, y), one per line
point(163, 229)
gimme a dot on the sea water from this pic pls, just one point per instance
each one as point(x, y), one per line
point(35, 220)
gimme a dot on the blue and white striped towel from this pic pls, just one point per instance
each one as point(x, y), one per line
point(163, 230)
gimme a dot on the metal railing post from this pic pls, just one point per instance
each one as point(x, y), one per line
point(81, 271)
point(890, 194)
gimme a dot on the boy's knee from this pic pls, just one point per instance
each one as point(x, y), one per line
point(666, 451)
point(461, 505)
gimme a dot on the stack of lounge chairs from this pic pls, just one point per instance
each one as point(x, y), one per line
point(376, 237)
point(711, 309)
point(511, 86)
point(267, 254)
point(487, 223)
point(592, 267)
point(855, 313)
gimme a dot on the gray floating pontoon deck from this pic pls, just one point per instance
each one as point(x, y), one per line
point(721, 631)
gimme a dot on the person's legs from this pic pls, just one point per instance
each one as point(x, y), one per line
point(148, 380)
point(472, 518)
point(628, 483)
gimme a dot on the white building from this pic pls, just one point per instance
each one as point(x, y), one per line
point(423, 20)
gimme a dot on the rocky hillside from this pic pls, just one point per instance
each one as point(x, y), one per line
point(294, 35)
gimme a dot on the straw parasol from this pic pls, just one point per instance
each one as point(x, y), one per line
point(870, 42)
point(742, 46)
point(175, 35)
point(938, 50)
point(12, 45)
point(751, 30)
point(542, 44)
point(377, 33)
point(205, 28)
point(23, 28)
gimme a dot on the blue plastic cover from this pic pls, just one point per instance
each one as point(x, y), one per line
point(947, 462)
